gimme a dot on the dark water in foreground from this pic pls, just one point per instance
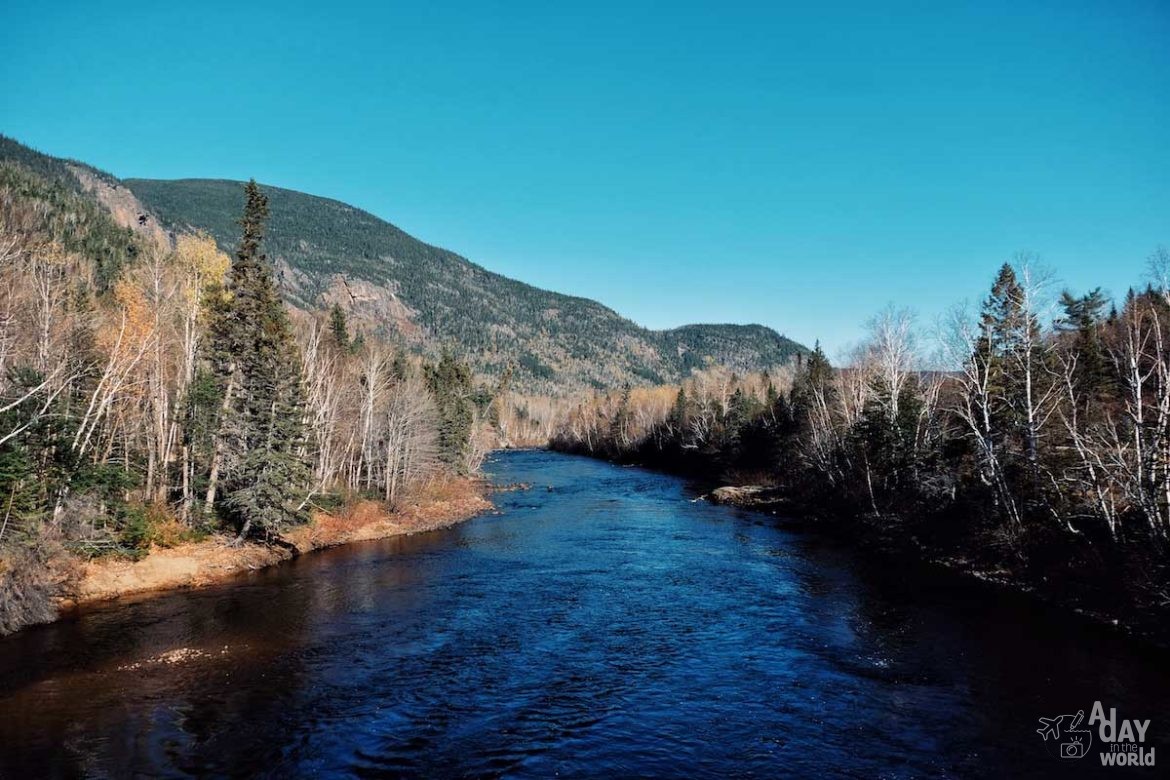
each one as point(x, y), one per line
point(603, 627)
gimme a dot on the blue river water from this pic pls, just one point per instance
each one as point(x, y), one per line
point(601, 624)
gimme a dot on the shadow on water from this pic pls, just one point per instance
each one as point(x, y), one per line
point(601, 625)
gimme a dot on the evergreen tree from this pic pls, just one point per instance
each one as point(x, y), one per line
point(814, 376)
point(1009, 347)
point(34, 466)
point(818, 370)
point(261, 438)
point(772, 397)
point(885, 445)
point(1084, 316)
point(450, 385)
point(339, 328)
point(1002, 319)
point(680, 413)
point(619, 425)
point(741, 410)
point(399, 367)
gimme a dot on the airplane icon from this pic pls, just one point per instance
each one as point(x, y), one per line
point(1050, 727)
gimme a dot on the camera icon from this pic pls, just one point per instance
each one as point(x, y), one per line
point(1073, 749)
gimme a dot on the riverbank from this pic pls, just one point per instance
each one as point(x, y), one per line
point(195, 564)
point(1121, 584)
point(1068, 580)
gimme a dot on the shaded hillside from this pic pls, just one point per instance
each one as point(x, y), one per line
point(430, 295)
point(51, 169)
point(44, 199)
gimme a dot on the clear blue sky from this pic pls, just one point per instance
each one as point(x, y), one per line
point(795, 164)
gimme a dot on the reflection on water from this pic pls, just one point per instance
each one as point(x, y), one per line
point(601, 626)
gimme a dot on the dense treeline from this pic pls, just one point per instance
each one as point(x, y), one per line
point(151, 394)
point(1035, 448)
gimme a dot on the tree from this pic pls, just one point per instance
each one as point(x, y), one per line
point(1016, 353)
point(619, 424)
point(410, 443)
point(883, 436)
point(1084, 317)
point(680, 414)
point(816, 374)
point(814, 397)
point(201, 268)
point(772, 396)
point(260, 443)
point(339, 328)
point(36, 462)
point(450, 385)
point(742, 408)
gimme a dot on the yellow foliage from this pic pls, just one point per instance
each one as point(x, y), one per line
point(155, 525)
point(201, 264)
point(124, 334)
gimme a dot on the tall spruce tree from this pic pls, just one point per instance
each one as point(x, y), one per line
point(1085, 316)
point(1010, 348)
point(741, 410)
point(451, 387)
point(1002, 318)
point(814, 376)
point(260, 444)
point(339, 328)
point(680, 413)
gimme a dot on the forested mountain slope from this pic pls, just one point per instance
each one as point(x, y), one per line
point(333, 253)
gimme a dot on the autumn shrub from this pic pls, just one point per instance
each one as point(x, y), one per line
point(152, 525)
point(443, 488)
point(352, 516)
point(331, 500)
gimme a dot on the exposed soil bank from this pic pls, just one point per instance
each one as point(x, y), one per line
point(200, 563)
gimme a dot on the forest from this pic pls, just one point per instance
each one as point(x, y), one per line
point(1026, 442)
point(154, 393)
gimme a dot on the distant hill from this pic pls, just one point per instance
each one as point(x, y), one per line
point(330, 252)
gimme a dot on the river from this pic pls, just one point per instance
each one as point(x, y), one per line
point(601, 624)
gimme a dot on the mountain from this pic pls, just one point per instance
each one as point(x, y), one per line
point(426, 297)
point(332, 252)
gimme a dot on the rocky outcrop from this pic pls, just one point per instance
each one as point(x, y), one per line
point(761, 497)
point(124, 206)
point(745, 495)
point(377, 305)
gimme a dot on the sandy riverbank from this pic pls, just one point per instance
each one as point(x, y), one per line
point(201, 563)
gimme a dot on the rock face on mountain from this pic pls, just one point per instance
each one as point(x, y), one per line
point(329, 252)
point(122, 204)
